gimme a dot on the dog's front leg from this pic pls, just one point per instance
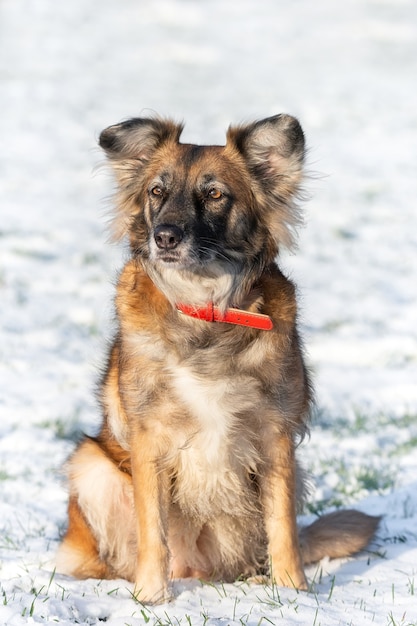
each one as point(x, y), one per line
point(278, 487)
point(151, 493)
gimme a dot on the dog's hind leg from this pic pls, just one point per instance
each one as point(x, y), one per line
point(78, 554)
point(100, 541)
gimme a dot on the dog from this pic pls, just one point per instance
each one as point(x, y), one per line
point(205, 395)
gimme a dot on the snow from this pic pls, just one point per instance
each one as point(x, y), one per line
point(348, 71)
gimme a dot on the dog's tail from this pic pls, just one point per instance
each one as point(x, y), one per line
point(336, 535)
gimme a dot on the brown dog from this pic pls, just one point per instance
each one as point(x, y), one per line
point(205, 394)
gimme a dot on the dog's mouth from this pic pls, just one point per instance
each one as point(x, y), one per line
point(187, 258)
point(179, 261)
point(169, 258)
point(182, 257)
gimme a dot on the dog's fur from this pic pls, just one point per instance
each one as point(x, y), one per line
point(193, 472)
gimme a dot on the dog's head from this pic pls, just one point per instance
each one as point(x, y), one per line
point(206, 211)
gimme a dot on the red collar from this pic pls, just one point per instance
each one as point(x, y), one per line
point(211, 313)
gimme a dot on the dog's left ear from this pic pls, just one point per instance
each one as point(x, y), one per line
point(273, 150)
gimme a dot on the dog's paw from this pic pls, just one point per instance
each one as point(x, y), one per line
point(294, 579)
point(294, 582)
point(258, 579)
point(151, 593)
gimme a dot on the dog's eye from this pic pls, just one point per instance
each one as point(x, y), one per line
point(156, 191)
point(215, 194)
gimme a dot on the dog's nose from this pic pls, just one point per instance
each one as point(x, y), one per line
point(167, 236)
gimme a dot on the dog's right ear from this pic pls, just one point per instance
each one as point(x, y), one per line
point(137, 138)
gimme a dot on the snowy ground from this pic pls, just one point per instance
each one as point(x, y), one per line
point(348, 71)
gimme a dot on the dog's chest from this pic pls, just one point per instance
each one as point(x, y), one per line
point(219, 454)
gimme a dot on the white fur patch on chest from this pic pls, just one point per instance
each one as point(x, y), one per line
point(213, 468)
point(209, 402)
